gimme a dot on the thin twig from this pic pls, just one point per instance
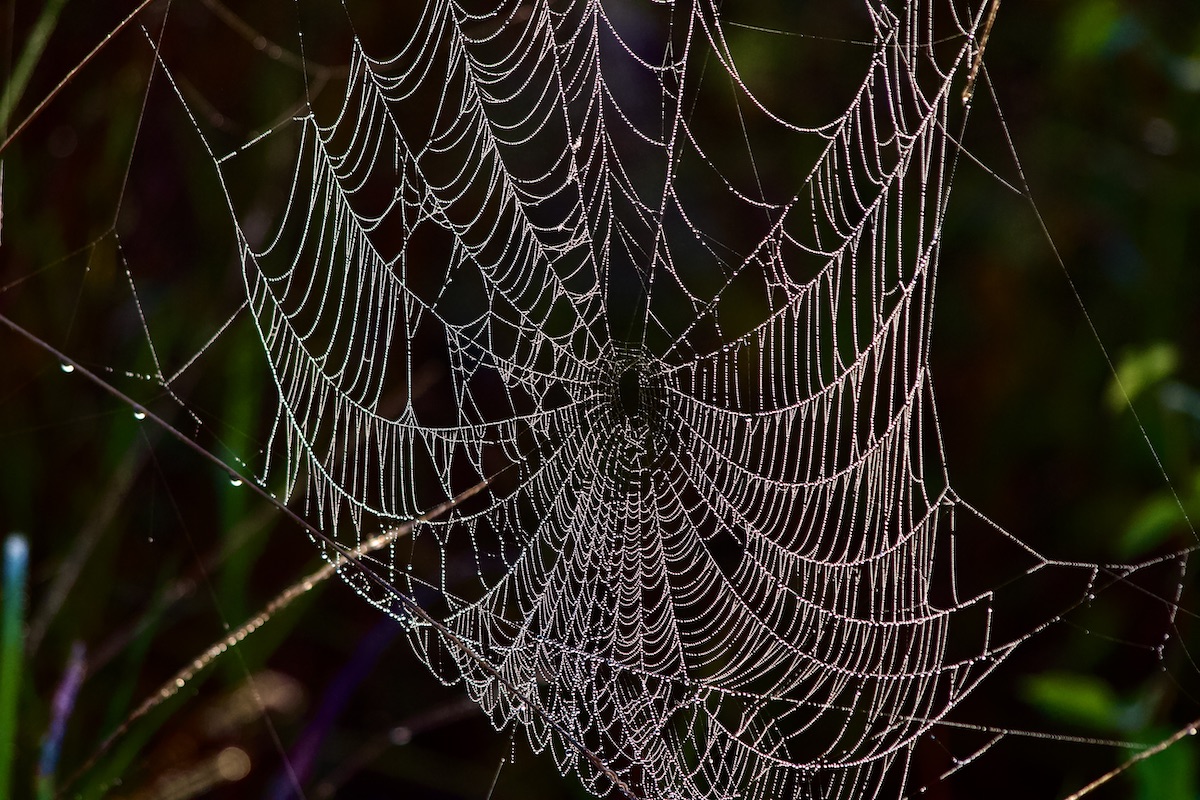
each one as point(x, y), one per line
point(35, 44)
point(1187, 730)
point(280, 602)
point(410, 605)
point(969, 89)
point(142, 6)
point(179, 589)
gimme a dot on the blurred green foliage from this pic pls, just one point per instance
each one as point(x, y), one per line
point(1083, 700)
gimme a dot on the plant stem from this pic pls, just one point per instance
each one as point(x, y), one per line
point(34, 45)
point(16, 568)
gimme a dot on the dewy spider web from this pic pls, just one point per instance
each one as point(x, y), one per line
point(712, 544)
point(717, 542)
point(718, 547)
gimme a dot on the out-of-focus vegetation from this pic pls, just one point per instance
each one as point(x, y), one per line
point(1045, 431)
point(142, 555)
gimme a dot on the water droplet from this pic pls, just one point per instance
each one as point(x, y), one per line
point(67, 368)
point(235, 481)
point(233, 764)
point(138, 414)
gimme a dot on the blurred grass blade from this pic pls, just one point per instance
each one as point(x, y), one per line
point(64, 703)
point(34, 45)
point(16, 569)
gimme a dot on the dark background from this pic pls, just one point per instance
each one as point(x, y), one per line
point(1102, 103)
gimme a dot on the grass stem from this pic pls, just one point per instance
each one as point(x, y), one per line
point(34, 45)
point(12, 655)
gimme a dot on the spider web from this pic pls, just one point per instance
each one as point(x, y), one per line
point(676, 392)
point(716, 536)
point(715, 516)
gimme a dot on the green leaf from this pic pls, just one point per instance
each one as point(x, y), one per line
point(1151, 525)
point(1139, 370)
point(1088, 29)
point(1083, 700)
